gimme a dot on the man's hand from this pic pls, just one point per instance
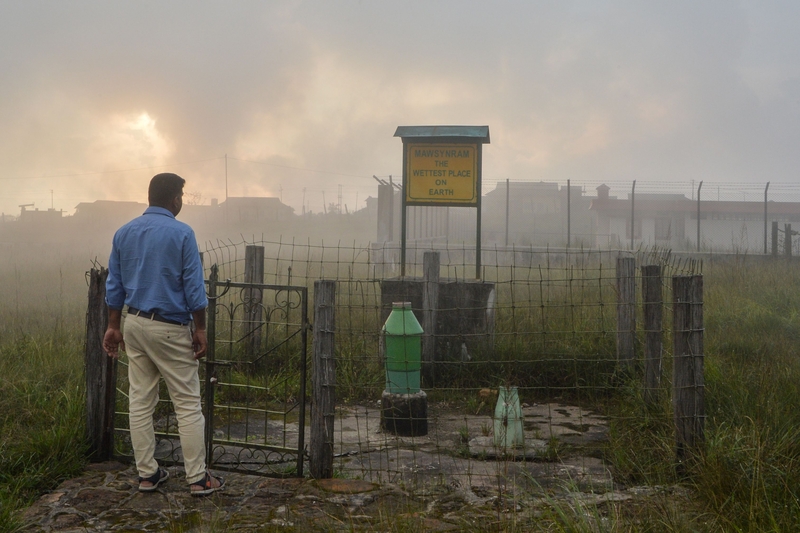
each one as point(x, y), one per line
point(199, 340)
point(199, 343)
point(112, 342)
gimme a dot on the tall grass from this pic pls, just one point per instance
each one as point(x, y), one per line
point(41, 416)
point(748, 477)
point(42, 307)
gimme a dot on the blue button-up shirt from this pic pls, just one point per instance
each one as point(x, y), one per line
point(155, 267)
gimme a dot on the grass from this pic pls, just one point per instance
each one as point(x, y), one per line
point(42, 306)
point(748, 476)
point(41, 418)
point(747, 479)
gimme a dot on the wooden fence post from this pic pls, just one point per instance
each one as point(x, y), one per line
point(254, 273)
point(430, 304)
point(787, 240)
point(774, 238)
point(688, 394)
point(652, 296)
point(323, 380)
point(101, 372)
point(626, 311)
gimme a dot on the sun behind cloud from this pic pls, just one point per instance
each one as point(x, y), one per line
point(134, 139)
point(127, 141)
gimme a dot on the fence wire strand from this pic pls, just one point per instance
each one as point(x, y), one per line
point(545, 323)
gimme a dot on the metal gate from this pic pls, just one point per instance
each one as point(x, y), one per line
point(255, 378)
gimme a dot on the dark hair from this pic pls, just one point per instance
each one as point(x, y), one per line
point(164, 188)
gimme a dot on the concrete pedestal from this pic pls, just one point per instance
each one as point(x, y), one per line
point(405, 414)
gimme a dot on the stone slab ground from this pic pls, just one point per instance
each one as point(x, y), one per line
point(453, 479)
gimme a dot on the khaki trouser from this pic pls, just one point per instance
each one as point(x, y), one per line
point(156, 349)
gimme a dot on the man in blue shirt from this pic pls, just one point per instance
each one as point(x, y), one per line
point(155, 270)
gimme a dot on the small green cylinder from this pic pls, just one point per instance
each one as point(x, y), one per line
point(403, 337)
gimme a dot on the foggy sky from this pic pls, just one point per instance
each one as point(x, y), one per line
point(96, 96)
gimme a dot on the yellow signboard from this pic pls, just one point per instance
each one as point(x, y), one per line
point(445, 173)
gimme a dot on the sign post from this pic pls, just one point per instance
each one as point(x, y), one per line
point(442, 167)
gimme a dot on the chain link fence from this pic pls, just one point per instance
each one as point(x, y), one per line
point(543, 325)
point(680, 215)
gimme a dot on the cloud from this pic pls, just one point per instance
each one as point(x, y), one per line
point(305, 96)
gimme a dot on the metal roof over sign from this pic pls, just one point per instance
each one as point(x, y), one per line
point(442, 164)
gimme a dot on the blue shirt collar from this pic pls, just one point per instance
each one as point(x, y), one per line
point(154, 210)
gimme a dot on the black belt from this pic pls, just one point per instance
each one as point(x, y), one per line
point(153, 316)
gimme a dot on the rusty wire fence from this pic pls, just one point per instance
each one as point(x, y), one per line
point(543, 323)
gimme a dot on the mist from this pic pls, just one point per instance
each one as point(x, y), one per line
point(303, 97)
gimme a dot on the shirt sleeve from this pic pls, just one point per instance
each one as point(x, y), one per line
point(115, 291)
point(193, 283)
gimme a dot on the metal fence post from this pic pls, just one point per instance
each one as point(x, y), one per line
point(211, 357)
point(569, 214)
point(323, 380)
point(698, 214)
point(633, 213)
point(508, 207)
point(101, 372)
point(766, 189)
point(385, 212)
